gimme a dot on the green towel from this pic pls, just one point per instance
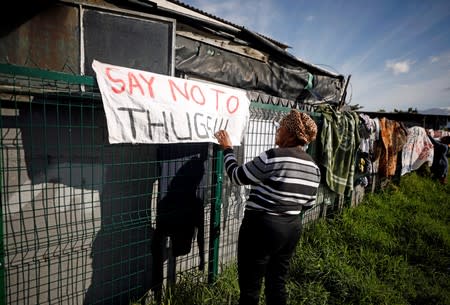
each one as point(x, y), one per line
point(339, 142)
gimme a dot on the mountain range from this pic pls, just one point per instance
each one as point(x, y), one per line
point(436, 111)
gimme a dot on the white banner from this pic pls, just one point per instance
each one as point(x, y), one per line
point(145, 107)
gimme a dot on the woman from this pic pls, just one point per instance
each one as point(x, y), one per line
point(284, 182)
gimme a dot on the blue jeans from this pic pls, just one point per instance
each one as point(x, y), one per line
point(265, 247)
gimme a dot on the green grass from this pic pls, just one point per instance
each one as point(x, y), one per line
point(394, 248)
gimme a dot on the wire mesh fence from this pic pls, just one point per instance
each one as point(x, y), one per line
point(86, 222)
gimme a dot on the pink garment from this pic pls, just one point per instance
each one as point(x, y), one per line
point(436, 134)
point(417, 150)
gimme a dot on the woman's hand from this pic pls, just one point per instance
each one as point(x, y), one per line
point(223, 138)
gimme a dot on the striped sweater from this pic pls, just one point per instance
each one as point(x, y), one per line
point(283, 180)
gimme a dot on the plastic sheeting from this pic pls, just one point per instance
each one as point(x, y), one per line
point(295, 83)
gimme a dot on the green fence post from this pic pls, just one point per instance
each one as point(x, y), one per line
point(213, 265)
point(2, 244)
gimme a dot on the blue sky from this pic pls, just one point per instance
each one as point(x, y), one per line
point(398, 52)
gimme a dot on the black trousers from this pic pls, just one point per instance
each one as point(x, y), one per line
point(265, 247)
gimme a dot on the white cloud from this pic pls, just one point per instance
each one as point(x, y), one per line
point(374, 91)
point(399, 66)
point(434, 59)
point(424, 86)
point(310, 18)
point(443, 59)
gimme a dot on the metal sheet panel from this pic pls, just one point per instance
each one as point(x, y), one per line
point(138, 43)
point(47, 38)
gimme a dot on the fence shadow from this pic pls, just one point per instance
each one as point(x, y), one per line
point(87, 204)
point(180, 209)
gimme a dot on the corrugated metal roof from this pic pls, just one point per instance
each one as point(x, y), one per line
point(279, 44)
point(196, 17)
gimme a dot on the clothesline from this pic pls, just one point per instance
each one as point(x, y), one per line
point(377, 146)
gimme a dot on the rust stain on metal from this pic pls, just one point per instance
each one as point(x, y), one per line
point(48, 40)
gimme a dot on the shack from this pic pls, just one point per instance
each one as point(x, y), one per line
point(87, 222)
